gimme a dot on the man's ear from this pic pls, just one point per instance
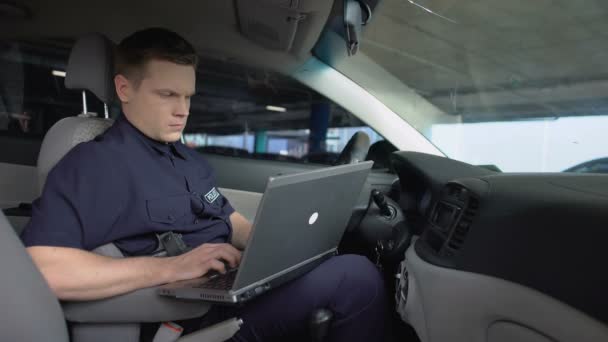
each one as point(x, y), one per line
point(123, 87)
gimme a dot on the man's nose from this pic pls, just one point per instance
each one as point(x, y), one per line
point(182, 107)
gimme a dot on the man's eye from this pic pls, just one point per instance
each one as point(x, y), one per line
point(165, 94)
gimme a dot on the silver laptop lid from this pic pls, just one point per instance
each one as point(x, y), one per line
point(300, 217)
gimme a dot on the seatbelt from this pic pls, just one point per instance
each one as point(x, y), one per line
point(170, 244)
point(168, 332)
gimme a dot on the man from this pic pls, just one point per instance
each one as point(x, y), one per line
point(137, 180)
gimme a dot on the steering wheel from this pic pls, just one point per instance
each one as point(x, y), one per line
point(355, 150)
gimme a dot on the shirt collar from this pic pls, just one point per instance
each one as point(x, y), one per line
point(175, 148)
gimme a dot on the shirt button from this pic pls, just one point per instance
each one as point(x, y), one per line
point(195, 221)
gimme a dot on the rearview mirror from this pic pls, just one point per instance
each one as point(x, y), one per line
point(354, 19)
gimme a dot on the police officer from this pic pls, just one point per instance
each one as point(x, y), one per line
point(137, 181)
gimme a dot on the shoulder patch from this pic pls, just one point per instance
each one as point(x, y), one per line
point(212, 195)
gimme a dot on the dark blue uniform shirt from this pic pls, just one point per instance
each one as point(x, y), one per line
point(124, 187)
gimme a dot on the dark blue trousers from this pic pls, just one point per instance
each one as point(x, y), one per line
point(348, 285)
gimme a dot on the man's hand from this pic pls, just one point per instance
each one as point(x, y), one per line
point(203, 259)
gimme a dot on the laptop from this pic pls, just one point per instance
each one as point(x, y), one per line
point(299, 224)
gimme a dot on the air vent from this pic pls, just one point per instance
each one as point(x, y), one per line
point(211, 297)
point(464, 224)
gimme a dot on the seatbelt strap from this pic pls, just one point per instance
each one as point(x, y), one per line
point(168, 332)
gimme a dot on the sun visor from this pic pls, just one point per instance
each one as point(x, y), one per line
point(271, 23)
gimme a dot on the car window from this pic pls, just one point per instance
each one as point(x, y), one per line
point(33, 96)
point(238, 111)
point(252, 113)
point(32, 92)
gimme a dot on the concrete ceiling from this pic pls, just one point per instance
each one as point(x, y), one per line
point(497, 59)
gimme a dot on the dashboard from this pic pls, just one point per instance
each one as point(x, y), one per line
point(547, 232)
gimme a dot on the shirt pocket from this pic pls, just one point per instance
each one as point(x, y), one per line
point(168, 209)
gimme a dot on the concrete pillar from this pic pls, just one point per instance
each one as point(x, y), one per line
point(319, 123)
point(261, 142)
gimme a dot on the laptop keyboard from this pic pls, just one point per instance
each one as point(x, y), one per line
point(219, 281)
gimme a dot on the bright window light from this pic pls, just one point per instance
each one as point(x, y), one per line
point(58, 73)
point(276, 109)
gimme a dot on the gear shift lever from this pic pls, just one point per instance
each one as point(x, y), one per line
point(380, 201)
point(319, 324)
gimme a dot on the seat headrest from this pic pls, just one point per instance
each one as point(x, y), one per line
point(90, 66)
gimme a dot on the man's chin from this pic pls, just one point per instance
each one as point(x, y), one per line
point(172, 137)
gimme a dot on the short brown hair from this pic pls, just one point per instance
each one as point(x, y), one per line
point(139, 48)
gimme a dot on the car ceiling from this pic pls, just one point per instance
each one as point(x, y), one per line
point(211, 26)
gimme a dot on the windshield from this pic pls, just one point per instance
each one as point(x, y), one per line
point(521, 85)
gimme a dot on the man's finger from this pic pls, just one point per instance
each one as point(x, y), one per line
point(232, 250)
point(232, 259)
point(217, 265)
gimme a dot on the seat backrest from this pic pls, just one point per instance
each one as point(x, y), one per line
point(62, 137)
point(90, 68)
point(30, 311)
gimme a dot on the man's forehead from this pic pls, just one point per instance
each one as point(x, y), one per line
point(170, 75)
